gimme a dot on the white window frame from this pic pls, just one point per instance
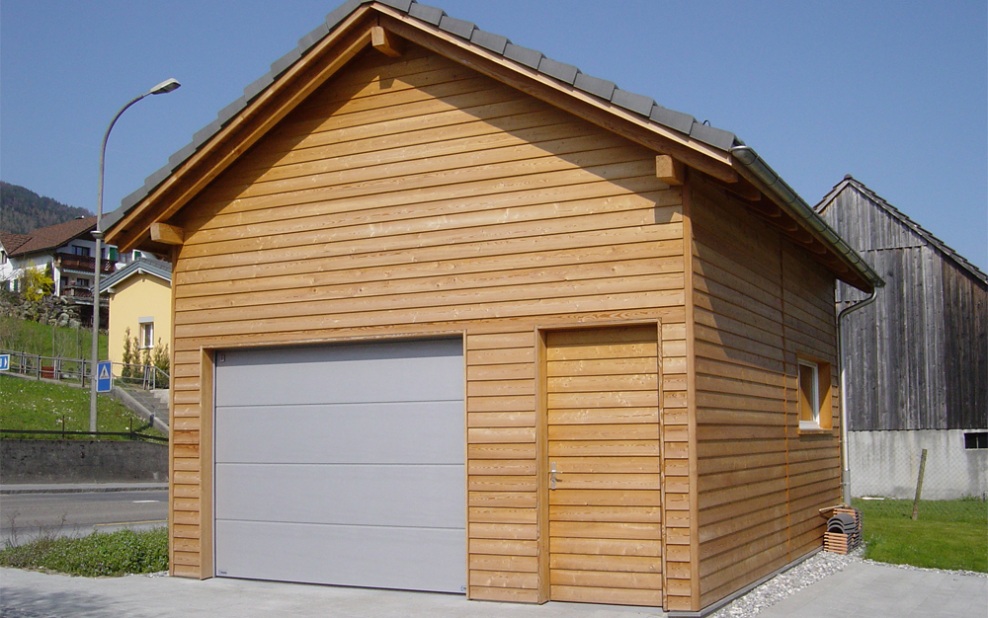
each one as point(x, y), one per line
point(147, 333)
point(814, 399)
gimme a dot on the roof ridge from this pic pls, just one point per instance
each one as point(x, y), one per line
point(641, 105)
point(942, 247)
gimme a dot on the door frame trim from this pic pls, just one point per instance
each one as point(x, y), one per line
point(542, 444)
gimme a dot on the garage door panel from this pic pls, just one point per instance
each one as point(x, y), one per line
point(342, 464)
point(352, 373)
point(375, 495)
point(344, 555)
point(328, 433)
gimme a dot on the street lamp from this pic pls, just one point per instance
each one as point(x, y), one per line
point(164, 87)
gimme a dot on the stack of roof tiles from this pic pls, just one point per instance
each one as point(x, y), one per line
point(843, 530)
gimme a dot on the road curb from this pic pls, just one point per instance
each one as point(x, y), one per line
point(65, 488)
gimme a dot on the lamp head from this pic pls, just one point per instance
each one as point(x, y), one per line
point(166, 86)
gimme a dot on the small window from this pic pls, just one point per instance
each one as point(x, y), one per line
point(975, 439)
point(147, 335)
point(814, 395)
point(80, 251)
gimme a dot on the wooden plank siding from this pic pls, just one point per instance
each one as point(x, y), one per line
point(918, 357)
point(410, 196)
point(759, 305)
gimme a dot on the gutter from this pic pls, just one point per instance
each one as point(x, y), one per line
point(795, 206)
point(845, 459)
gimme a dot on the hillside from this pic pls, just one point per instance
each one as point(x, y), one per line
point(23, 211)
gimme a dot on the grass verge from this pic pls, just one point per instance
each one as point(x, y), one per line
point(949, 534)
point(36, 405)
point(98, 555)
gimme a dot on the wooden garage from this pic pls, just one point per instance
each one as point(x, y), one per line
point(637, 310)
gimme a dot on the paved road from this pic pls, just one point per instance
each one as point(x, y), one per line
point(25, 516)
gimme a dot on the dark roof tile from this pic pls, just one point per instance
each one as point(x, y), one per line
point(630, 101)
point(558, 70)
point(595, 86)
point(676, 121)
point(713, 136)
point(426, 13)
point(494, 42)
point(459, 27)
point(523, 55)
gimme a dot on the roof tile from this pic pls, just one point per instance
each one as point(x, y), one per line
point(426, 13)
point(630, 101)
point(523, 55)
point(559, 70)
point(494, 42)
point(595, 86)
point(459, 27)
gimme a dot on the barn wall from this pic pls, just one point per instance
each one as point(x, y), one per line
point(413, 196)
point(918, 357)
point(759, 305)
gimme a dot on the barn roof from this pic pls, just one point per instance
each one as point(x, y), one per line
point(927, 237)
point(716, 152)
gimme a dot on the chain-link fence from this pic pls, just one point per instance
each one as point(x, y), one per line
point(936, 465)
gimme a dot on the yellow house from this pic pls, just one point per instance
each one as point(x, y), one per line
point(140, 301)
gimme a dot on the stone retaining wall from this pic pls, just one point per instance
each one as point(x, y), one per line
point(82, 461)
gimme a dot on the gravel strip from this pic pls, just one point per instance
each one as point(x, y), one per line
point(804, 574)
point(800, 576)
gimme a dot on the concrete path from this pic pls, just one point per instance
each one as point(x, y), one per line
point(881, 590)
point(861, 589)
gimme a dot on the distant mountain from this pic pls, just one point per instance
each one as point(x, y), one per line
point(23, 211)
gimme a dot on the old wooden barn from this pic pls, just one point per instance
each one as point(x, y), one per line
point(451, 315)
point(916, 360)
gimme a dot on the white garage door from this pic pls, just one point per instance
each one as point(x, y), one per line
point(342, 465)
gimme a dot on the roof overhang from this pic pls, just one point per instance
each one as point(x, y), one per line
point(360, 24)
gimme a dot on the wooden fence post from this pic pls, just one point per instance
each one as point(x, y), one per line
point(919, 485)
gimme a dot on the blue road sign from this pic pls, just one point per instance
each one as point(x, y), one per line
point(4, 362)
point(104, 377)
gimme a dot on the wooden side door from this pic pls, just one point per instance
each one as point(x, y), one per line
point(604, 501)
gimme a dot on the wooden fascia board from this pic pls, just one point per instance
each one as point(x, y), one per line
point(778, 214)
point(605, 114)
point(260, 116)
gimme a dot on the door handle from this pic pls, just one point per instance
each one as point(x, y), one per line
point(552, 475)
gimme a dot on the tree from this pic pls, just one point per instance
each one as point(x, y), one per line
point(37, 284)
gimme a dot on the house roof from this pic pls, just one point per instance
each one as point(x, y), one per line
point(850, 182)
point(716, 152)
point(140, 266)
point(11, 242)
point(47, 238)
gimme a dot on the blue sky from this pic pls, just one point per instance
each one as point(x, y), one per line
point(894, 93)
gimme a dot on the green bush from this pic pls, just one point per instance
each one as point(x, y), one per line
point(97, 555)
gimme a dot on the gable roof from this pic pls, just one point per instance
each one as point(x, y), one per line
point(140, 266)
point(359, 23)
point(11, 242)
point(849, 182)
point(48, 238)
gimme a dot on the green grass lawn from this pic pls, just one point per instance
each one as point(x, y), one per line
point(35, 405)
point(34, 338)
point(949, 534)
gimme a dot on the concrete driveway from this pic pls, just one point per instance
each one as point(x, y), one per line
point(861, 589)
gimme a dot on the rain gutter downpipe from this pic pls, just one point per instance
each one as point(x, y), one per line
point(845, 459)
point(795, 206)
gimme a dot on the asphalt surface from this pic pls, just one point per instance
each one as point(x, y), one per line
point(30, 511)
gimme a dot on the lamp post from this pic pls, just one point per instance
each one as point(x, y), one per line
point(164, 87)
